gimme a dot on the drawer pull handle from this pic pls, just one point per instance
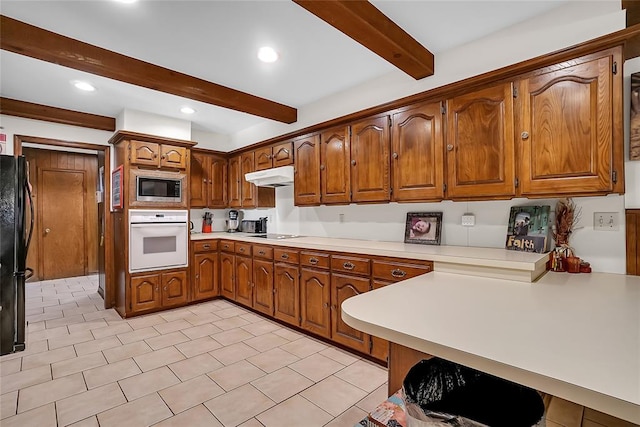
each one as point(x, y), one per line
point(260, 252)
point(284, 256)
point(313, 260)
point(348, 266)
point(206, 246)
point(326, 305)
point(241, 249)
point(398, 273)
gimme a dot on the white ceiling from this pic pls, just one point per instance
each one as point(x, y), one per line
point(218, 40)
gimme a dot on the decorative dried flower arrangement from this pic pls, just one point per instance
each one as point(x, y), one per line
point(567, 217)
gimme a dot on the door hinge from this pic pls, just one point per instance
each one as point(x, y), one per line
point(444, 187)
point(614, 67)
point(389, 120)
point(351, 194)
point(517, 182)
point(443, 107)
point(614, 176)
point(391, 191)
point(515, 92)
point(349, 131)
point(370, 346)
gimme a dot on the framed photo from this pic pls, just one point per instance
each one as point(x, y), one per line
point(423, 228)
point(117, 201)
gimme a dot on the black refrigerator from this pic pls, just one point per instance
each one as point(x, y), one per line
point(15, 234)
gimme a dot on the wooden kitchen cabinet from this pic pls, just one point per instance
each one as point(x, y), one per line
point(315, 297)
point(335, 166)
point(286, 286)
point(205, 276)
point(480, 144)
point(243, 194)
point(227, 275)
point(174, 288)
point(235, 179)
point(244, 280)
point(379, 347)
point(306, 188)
point(208, 181)
point(263, 272)
point(370, 144)
point(417, 159)
point(145, 292)
point(159, 155)
point(342, 287)
point(566, 130)
point(274, 156)
point(248, 190)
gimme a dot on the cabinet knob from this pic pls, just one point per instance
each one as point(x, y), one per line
point(395, 155)
point(449, 147)
point(157, 289)
point(398, 273)
point(285, 256)
point(321, 167)
point(313, 260)
point(525, 135)
point(260, 252)
point(326, 305)
point(241, 249)
point(353, 162)
point(197, 276)
point(205, 180)
point(348, 266)
point(207, 246)
point(165, 288)
point(47, 230)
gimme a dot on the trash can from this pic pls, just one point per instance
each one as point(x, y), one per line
point(442, 393)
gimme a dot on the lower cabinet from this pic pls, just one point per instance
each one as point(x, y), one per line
point(263, 286)
point(286, 288)
point(158, 290)
point(315, 295)
point(227, 275)
point(205, 276)
point(343, 287)
point(174, 288)
point(379, 346)
point(244, 280)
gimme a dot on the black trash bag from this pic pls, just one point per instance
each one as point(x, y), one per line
point(445, 387)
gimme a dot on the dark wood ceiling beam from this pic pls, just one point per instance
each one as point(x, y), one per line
point(35, 42)
point(364, 23)
point(13, 107)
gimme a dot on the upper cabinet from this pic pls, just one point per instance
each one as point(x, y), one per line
point(370, 160)
point(566, 127)
point(243, 194)
point(208, 180)
point(335, 165)
point(235, 179)
point(248, 191)
point(275, 156)
point(144, 153)
point(306, 178)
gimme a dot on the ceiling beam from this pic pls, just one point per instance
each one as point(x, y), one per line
point(364, 23)
point(13, 107)
point(35, 42)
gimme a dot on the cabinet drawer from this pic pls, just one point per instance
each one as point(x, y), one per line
point(228, 246)
point(396, 271)
point(350, 264)
point(243, 248)
point(315, 259)
point(205, 246)
point(265, 252)
point(286, 255)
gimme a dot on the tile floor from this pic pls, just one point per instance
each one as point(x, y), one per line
point(210, 364)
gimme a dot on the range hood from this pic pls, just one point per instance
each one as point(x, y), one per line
point(276, 177)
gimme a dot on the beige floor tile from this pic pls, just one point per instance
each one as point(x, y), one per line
point(138, 335)
point(230, 323)
point(147, 382)
point(8, 404)
point(273, 359)
point(232, 336)
point(79, 310)
point(304, 347)
point(198, 346)
point(563, 412)
point(339, 356)
point(373, 399)
point(230, 311)
point(108, 315)
point(142, 322)
point(25, 379)
point(176, 314)
point(87, 422)
point(77, 364)
point(316, 367)
point(235, 375)
point(334, 395)
point(110, 373)
point(282, 384)
point(364, 375)
point(252, 422)
point(60, 331)
point(83, 405)
point(11, 366)
point(296, 411)
point(176, 325)
point(201, 331)
point(252, 318)
point(145, 411)
point(266, 342)
point(166, 340)
point(198, 416)
point(87, 326)
point(195, 366)
point(41, 394)
point(126, 351)
point(260, 328)
point(188, 394)
point(287, 334)
point(45, 317)
point(32, 348)
point(350, 417)
point(233, 353)
point(97, 345)
point(44, 416)
point(35, 326)
point(238, 406)
point(201, 318)
point(150, 361)
point(64, 321)
point(71, 339)
point(112, 330)
point(47, 357)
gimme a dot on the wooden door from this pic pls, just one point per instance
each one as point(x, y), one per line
point(198, 180)
point(174, 288)
point(343, 287)
point(335, 165)
point(379, 346)
point(244, 281)
point(315, 295)
point(417, 164)
point(205, 281)
point(227, 276)
point(235, 188)
point(565, 133)
point(145, 292)
point(306, 180)
point(263, 286)
point(144, 153)
point(480, 144)
point(282, 154)
point(287, 293)
point(63, 251)
point(173, 157)
point(217, 182)
point(370, 160)
point(248, 191)
point(263, 158)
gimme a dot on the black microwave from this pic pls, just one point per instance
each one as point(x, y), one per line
point(158, 189)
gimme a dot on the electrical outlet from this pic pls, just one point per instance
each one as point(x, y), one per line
point(468, 220)
point(606, 221)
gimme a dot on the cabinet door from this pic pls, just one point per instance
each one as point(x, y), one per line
point(173, 157)
point(263, 286)
point(263, 159)
point(417, 158)
point(282, 154)
point(198, 180)
point(248, 191)
point(174, 288)
point(235, 171)
point(379, 346)
point(480, 144)
point(287, 293)
point(244, 281)
point(144, 153)
point(370, 160)
point(315, 294)
point(218, 182)
point(335, 165)
point(227, 278)
point(343, 287)
point(145, 292)
point(306, 188)
point(205, 276)
point(566, 130)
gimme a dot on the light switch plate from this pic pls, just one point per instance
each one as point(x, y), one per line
point(468, 220)
point(606, 221)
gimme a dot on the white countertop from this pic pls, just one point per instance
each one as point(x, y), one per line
point(576, 336)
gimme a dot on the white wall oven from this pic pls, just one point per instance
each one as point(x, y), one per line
point(158, 239)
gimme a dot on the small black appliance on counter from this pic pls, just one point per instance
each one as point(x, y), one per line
point(255, 226)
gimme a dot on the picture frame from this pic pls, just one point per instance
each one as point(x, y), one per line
point(424, 228)
point(117, 201)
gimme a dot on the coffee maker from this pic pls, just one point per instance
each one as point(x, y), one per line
point(234, 221)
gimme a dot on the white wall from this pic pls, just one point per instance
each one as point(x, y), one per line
point(153, 124)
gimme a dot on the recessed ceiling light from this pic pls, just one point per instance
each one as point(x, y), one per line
point(187, 110)
point(87, 87)
point(267, 54)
